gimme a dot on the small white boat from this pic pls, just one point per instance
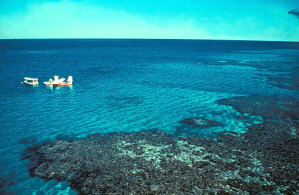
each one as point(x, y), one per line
point(59, 82)
point(31, 81)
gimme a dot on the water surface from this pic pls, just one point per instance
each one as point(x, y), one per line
point(129, 86)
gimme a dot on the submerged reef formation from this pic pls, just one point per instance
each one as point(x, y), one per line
point(262, 160)
point(196, 126)
point(287, 79)
point(199, 122)
point(268, 107)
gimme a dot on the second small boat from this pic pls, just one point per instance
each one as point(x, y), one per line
point(59, 81)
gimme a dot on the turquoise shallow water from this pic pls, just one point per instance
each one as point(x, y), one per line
point(127, 86)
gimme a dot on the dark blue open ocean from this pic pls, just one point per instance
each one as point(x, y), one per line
point(129, 86)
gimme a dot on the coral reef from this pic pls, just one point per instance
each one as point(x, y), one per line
point(262, 160)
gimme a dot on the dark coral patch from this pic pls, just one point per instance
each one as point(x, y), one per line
point(195, 127)
point(268, 107)
point(198, 122)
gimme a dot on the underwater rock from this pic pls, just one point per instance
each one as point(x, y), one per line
point(6, 183)
point(196, 126)
point(27, 140)
point(2, 182)
point(198, 122)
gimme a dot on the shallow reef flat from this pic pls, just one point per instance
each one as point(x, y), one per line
point(263, 160)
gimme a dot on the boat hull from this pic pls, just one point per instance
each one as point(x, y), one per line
point(30, 83)
point(59, 82)
point(48, 83)
point(62, 84)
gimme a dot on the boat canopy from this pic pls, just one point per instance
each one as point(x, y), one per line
point(28, 78)
point(31, 81)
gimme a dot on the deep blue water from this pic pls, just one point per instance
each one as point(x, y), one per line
point(128, 86)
